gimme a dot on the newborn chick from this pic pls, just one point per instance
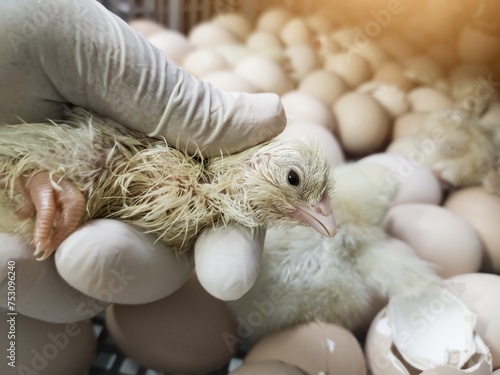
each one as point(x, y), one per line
point(90, 167)
point(339, 279)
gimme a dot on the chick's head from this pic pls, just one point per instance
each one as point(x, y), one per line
point(289, 183)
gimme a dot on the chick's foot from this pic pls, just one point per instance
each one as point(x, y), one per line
point(59, 207)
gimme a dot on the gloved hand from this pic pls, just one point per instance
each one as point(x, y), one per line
point(56, 52)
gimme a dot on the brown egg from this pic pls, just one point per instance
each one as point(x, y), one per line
point(392, 73)
point(209, 35)
point(408, 124)
point(173, 44)
point(352, 68)
point(44, 348)
point(313, 347)
point(324, 85)
point(482, 211)
point(480, 292)
point(390, 97)
point(267, 367)
point(300, 106)
point(364, 125)
point(229, 81)
point(146, 27)
point(427, 99)
point(188, 332)
point(475, 46)
point(437, 236)
point(236, 23)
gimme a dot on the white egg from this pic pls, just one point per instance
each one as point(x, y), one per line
point(264, 74)
point(173, 44)
point(364, 125)
point(273, 20)
point(233, 53)
point(295, 31)
point(208, 35)
point(317, 132)
point(203, 61)
point(229, 81)
point(390, 97)
point(324, 85)
point(352, 68)
point(475, 46)
point(259, 40)
point(408, 124)
point(236, 23)
point(146, 27)
point(300, 106)
point(302, 59)
point(427, 99)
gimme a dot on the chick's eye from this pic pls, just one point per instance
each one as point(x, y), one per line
point(293, 178)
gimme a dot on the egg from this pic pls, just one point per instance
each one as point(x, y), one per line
point(423, 69)
point(352, 68)
point(408, 124)
point(268, 367)
point(189, 332)
point(475, 46)
point(236, 23)
point(319, 22)
point(479, 291)
point(438, 236)
point(264, 74)
point(482, 211)
point(405, 146)
point(427, 99)
point(44, 348)
point(417, 184)
point(302, 60)
point(229, 81)
point(259, 40)
point(314, 347)
point(273, 20)
point(392, 73)
point(300, 106)
point(173, 44)
point(330, 144)
point(203, 61)
point(363, 124)
point(396, 47)
point(372, 53)
point(295, 31)
point(390, 97)
point(344, 36)
point(233, 53)
point(209, 35)
point(146, 27)
point(324, 85)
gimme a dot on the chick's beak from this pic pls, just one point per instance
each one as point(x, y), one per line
point(319, 217)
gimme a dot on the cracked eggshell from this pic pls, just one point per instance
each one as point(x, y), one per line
point(480, 292)
point(390, 97)
point(267, 367)
point(314, 347)
point(324, 85)
point(438, 236)
point(300, 106)
point(352, 68)
point(392, 73)
point(417, 184)
point(203, 61)
point(424, 336)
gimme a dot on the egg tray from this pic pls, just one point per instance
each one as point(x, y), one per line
point(110, 360)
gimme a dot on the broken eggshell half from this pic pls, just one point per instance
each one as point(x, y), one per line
point(429, 334)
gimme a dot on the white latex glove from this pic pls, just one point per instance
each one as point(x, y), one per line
point(55, 52)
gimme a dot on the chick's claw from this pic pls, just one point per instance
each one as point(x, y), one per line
point(59, 210)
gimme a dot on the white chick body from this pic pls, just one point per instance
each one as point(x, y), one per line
point(340, 279)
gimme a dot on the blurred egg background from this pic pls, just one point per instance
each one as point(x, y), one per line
point(409, 86)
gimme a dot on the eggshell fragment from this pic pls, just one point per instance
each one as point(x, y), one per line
point(479, 291)
point(268, 367)
point(417, 184)
point(146, 27)
point(390, 97)
point(300, 106)
point(437, 236)
point(189, 332)
point(427, 99)
point(363, 124)
point(310, 130)
point(482, 211)
point(44, 348)
point(273, 20)
point(302, 59)
point(236, 23)
point(408, 124)
point(475, 46)
point(393, 73)
point(208, 35)
point(352, 68)
point(294, 32)
point(203, 61)
point(229, 81)
point(314, 347)
point(173, 44)
point(264, 74)
point(324, 85)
